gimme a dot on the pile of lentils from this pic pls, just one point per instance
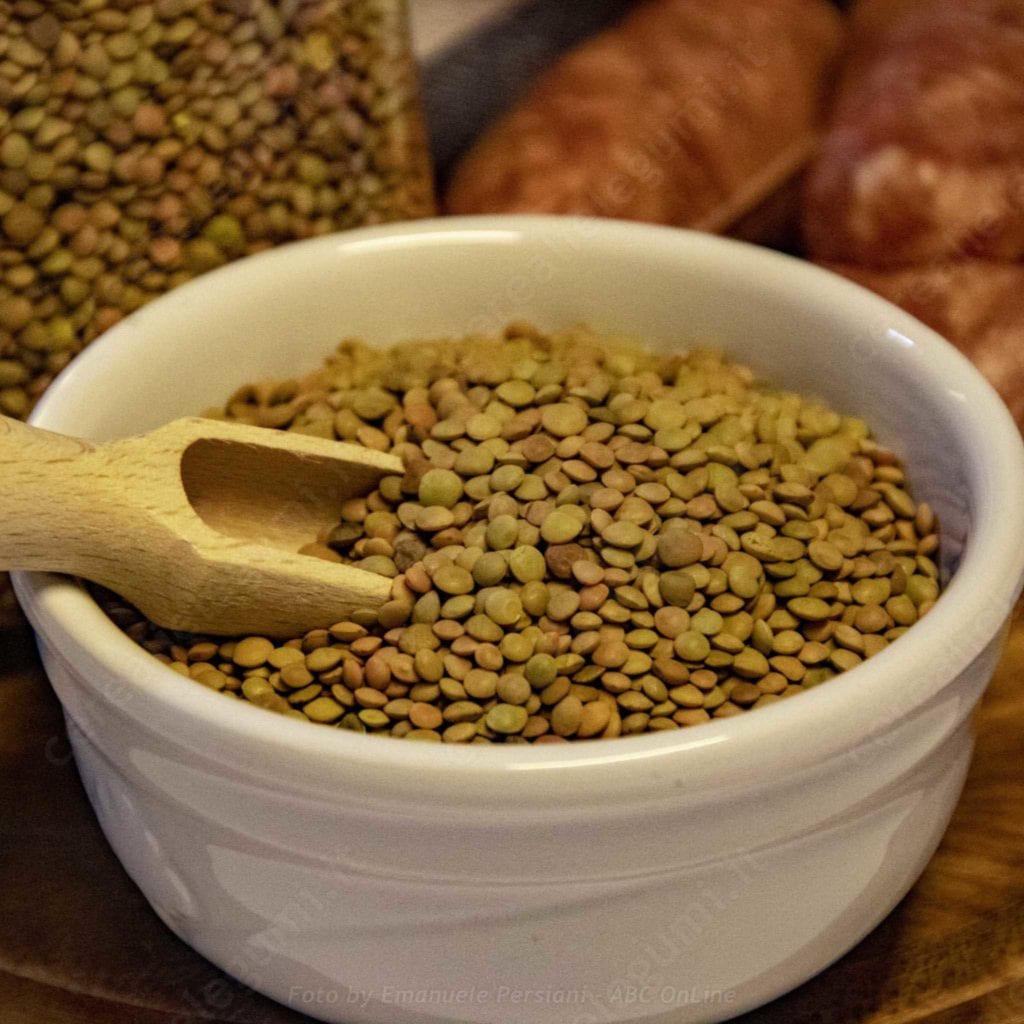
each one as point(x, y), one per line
point(589, 540)
point(142, 144)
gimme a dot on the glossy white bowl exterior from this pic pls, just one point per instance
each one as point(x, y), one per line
point(679, 877)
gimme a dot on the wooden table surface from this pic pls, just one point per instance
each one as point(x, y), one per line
point(79, 945)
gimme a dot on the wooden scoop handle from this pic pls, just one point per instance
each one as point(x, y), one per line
point(166, 521)
point(44, 486)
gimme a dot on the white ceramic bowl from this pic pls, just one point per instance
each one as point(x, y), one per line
point(675, 877)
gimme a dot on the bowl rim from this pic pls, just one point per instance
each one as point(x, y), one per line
point(786, 738)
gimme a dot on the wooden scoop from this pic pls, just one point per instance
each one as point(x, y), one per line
point(197, 524)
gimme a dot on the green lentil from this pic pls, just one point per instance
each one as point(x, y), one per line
point(677, 548)
point(452, 579)
point(677, 588)
point(502, 532)
point(527, 564)
point(558, 572)
point(440, 487)
point(567, 715)
point(812, 608)
point(540, 670)
point(560, 527)
point(503, 607)
point(624, 535)
point(490, 569)
point(692, 646)
point(162, 105)
point(564, 420)
point(507, 719)
point(325, 709)
point(252, 652)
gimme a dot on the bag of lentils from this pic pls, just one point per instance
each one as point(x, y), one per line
point(142, 144)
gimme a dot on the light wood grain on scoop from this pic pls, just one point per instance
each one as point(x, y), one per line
point(197, 523)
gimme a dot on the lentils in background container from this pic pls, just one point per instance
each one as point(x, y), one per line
point(142, 144)
point(589, 541)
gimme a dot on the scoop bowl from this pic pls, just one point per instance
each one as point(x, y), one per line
point(681, 877)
